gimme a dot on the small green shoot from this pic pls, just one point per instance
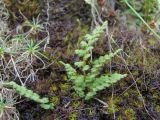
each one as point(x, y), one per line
point(35, 25)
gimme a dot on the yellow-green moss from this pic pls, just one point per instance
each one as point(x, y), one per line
point(73, 116)
point(113, 105)
point(130, 114)
point(136, 103)
point(91, 112)
point(135, 73)
point(65, 77)
point(64, 87)
point(126, 94)
point(145, 59)
point(119, 118)
point(152, 42)
point(158, 108)
point(55, 100)
point(122, 84)
point(74, 95)
point(53, 88)
point(80, 31)
point(76, 104)
point(155, 93)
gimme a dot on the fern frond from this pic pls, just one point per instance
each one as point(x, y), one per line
point(71, 72)
point(98, 63)
point(103, 82)
point(87, 45)
point(90, 81)
point(23, 91)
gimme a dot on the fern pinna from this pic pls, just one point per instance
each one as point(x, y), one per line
point(90, 81)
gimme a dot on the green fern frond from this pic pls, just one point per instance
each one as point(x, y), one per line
point(98, 63)
point(23, 91)
point(87, 45)
point(71, 72)
point(90, 81)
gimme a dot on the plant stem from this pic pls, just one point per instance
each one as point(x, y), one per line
point(139, 16)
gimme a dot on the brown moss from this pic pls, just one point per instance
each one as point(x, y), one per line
point(29, 8)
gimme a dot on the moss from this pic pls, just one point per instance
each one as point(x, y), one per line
point(140, 82)
point(29, 8)
point(46, 54)
point(65, 77)
point(130, 114)
point(126, 94)
point(113, 105)
point(132, 92)
point(133, 98)
point(146, 58)
point(91, 112)
point(79, 31)
point(152, 42)
point(135, 73)
point(64, 87)
point(76, 104)
point(53, 88)
point(122, 83)
point(40, 87)
point(154, 93)
point(119, 118)
point(55, 100)
point(77, 34)
point(136, 103)
point(54, 59)
point(53, 76)
point(74, 95)
point(73, 116)
point(158, 108)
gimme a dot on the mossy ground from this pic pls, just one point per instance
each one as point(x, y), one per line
point(71, 22)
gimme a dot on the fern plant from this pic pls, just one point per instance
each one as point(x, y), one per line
point(44, 102)
point(91, 81)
